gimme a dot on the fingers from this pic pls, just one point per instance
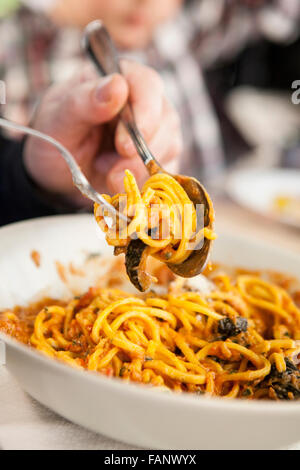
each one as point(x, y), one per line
point(102, 166)
point(73, 112)
point(116, 175)
point(166, 145)
point(94, 102)
point(146, 97)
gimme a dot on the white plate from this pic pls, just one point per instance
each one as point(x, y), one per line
point(128, 412)
point(256, 190)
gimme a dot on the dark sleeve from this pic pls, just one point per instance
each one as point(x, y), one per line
point(19, 198)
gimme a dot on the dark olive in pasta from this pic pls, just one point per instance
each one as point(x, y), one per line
point(228, 328)
point(135, 262)
point(285, 385)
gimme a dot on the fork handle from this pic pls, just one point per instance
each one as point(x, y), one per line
point(78, 177)
point(100, 48)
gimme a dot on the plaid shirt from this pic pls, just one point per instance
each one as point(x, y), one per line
point(35, 54)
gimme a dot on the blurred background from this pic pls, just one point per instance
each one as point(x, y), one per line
point(7, 6)
point(231, 67)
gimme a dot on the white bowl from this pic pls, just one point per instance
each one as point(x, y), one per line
point(128, 412)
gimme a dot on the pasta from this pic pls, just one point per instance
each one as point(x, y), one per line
point(238, 340)
point(162, 217)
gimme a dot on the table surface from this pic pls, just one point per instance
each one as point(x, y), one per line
point(232, 217)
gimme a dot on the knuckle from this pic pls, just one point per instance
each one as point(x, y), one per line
point(134, 70)
point(172, 153)
point(176, 121)
point(178, 145)
point(172, 116)
point(176, 132)
point(70, 102)
point(155, 79)
point(175, 147)
point(172, 165)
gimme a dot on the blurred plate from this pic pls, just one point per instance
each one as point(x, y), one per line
point(258, 189)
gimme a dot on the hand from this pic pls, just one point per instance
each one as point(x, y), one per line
point(82, 115)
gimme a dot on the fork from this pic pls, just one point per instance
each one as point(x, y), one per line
point(79, 179)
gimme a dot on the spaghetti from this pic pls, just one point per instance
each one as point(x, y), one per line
point(162, 217)
point(238, 340)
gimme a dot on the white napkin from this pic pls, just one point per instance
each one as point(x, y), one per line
point(27, 425)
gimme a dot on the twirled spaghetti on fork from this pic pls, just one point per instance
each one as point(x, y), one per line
point(161, 216)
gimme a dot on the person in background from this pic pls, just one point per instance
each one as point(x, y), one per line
point(182, 40)
point(81, 113)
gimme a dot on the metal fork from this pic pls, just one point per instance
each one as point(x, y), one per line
point(98, 45)
point(79, 180)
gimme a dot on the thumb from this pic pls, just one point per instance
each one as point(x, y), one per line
point(96, 102)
